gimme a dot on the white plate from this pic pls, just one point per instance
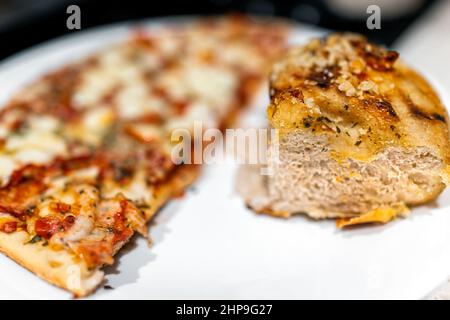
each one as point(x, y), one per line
point(209, 246)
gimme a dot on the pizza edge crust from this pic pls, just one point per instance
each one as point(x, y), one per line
point(66, 271)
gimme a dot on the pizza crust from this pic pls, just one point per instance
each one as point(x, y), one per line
point(115, 108)
point(62, 268)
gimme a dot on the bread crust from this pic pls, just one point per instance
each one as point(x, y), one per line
point(361, 134)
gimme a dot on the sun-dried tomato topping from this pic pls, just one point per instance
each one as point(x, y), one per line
point(60, 207)
point(247, 84)
point(21, 193)
point(12, 210)
point(25, 174)
point(46, 227)
point(180, 106)
point(68, 222)
point(9, 227)
point(121, 230)
point(151, 118)
point(121, 234)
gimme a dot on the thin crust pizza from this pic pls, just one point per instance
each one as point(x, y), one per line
point(85, 157)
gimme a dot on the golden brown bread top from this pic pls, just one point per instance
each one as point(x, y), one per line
point(359, 94)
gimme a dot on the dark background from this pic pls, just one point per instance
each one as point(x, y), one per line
point(24, 23)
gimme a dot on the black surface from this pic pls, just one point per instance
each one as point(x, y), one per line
point(34, 26)
point(281, 309)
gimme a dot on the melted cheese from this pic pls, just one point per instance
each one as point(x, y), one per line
point(135, 100)
point(195, 112)
point(7, 167)
point(35, 147)
point(3, 132)
point(44, 123)
point(87, 175)
point(137, 190)
point(99, 119)
point(93, 127)
point(243, 57)
point(213, 86)
point(173, 84)
point(121, 77)
point(38, 145)
point(112, 71)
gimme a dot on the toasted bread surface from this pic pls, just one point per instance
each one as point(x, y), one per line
point(360, 95)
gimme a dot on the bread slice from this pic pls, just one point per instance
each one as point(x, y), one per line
point(361, 135)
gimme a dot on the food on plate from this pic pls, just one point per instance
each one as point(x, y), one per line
point(362, 136)
point(85, 150)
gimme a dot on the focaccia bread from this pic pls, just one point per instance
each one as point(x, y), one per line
point(85, 151)
point(361, 135)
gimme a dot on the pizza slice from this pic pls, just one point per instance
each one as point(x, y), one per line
point(85, 151)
